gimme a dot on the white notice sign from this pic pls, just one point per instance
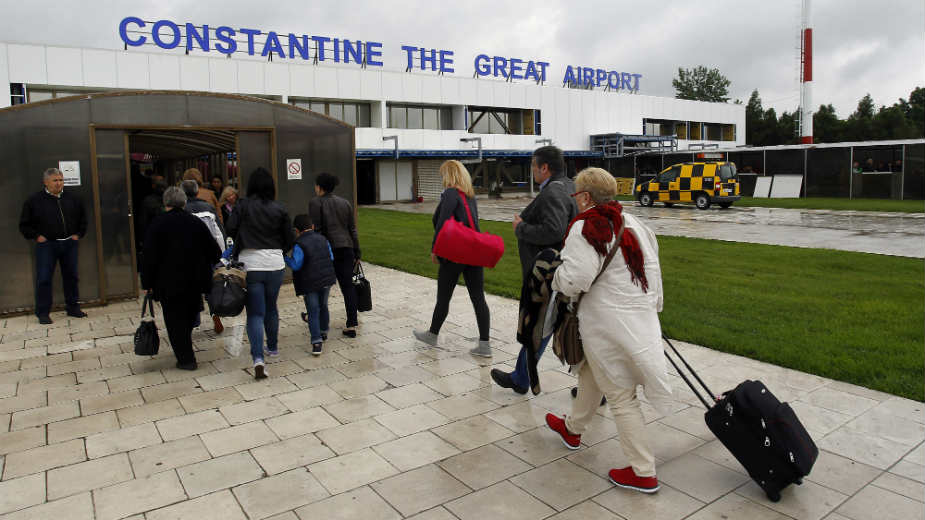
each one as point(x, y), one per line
point(294, 169)
point(71, 171)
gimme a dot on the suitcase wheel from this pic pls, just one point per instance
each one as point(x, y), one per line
point(798, 481)
point(773, 496)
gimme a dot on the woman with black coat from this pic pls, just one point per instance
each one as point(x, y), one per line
point(333, 217)
point(453, 201)
point(262, 231)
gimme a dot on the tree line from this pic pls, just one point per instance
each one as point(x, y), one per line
point(905, 119)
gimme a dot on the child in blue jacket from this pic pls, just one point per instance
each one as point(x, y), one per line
point(312, 275)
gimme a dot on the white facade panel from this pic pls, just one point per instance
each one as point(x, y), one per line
point(99, 68)
point(326, 82)
point(391, 86)
point(4, 74)
point(518, 97)
point(449, 90)
point(484, 92)
point(249, 76)
point(301, 81)
point(223, 76)
point(411, 88)
point(132, 70)
point(500, 94)
point(371, 85)
point(348, 84)
point(276, 79)
point(430, 90)
point(194, 73)
point(27, 64)
point(468, 91)
point(165, 71)
point(64, 66)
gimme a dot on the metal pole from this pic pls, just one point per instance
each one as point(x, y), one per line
point(851, 173)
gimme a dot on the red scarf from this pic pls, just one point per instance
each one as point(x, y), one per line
point(600, 223)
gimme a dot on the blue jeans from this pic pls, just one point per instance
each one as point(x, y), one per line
point(521, 376)
point(316, 306)
point(262, 315)
point(47, 256)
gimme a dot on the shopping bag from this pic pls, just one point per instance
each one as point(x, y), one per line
point(464, 245)
point(364, 291)
point(147, 341)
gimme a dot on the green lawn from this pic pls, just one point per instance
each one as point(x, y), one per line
point(853, 317)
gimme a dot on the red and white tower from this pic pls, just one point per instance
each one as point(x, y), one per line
point(806, 77)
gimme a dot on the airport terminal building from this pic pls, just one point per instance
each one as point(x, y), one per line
point(411, 107)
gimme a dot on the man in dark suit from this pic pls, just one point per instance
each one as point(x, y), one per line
point(541, 224)
point(56, 221)
point(179, 255)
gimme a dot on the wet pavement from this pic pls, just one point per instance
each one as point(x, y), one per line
point(382, 426)
point(895, 234)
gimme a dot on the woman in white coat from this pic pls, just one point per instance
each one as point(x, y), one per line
point(618, 322)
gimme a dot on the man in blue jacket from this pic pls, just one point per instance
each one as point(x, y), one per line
point(55, 221)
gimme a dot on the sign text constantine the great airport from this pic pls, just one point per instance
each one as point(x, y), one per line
point(226, 40)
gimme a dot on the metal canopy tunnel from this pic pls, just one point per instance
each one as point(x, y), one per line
point(101, 132)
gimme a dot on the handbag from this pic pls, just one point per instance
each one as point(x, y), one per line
point(464, 245)
point(363, 289)
point(228, 294)
point(147, 342)
point(567, 338)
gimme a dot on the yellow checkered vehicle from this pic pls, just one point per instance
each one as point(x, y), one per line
point(702, 183)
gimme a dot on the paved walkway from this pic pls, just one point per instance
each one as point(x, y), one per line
point(896, 234)
point(381, 427)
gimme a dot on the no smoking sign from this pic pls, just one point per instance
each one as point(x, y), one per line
point(294, 169)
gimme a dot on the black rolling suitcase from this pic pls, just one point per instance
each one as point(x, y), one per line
point(762, 433)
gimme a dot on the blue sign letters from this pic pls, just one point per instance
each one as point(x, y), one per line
point(169, 35)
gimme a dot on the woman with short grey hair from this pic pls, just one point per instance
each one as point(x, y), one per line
point(174, 198)
point(618, 321)
point(178, 260)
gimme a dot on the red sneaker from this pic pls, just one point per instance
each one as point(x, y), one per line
point(626, 478)
point(572, 442)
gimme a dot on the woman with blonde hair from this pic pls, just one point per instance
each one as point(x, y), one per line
point(453, 204)
point(618, 322)
point(227, 201)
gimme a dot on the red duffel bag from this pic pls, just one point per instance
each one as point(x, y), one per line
point(464, 245)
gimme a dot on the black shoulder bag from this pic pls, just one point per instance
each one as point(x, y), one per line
point(147, 342)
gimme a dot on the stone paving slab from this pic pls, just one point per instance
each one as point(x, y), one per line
point(380, 426)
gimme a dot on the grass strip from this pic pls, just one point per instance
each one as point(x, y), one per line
point(885, 205)
point(854, 317)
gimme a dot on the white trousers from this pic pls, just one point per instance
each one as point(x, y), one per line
point(627, 413)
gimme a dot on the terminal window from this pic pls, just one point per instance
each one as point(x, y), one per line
point(352, 113)
point(420, 117)
point(511, 121)
point(694, 130)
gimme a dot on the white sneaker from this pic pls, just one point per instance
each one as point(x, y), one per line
point(260, 370)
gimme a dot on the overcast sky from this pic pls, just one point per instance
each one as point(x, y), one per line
point(875, 47)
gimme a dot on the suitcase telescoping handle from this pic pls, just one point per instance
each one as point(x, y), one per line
point(691, 370)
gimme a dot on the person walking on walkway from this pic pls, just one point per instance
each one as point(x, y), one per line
point(312, 264)
point(56, 221)
point(207, 195)
point(262, 230)
point(179, 255)
point(333, 217)
point(618, 322)
point(458, 193)
point(203, 210)
point(540, 225)
point(227, 201)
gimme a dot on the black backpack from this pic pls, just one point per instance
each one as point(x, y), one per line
point(147, 342)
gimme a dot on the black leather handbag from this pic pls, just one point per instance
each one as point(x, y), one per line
point(364, 291)
point(147, 342)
